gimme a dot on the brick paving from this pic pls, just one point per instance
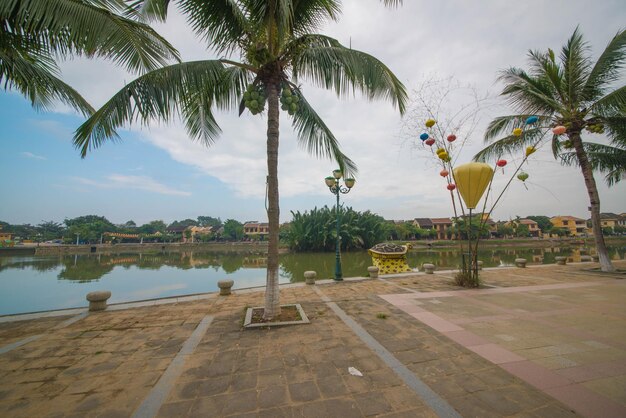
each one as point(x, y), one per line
point(539, 342)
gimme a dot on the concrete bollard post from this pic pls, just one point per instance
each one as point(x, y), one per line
point(595, 258)
point(309, 277)
point(520, 262)
point(479, 264)
point(585, 258)
point(560, 260)
point(98, 300)
point(373, 272)
point(428, 268)
point(225, 286)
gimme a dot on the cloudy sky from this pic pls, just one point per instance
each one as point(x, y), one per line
point(156, 172)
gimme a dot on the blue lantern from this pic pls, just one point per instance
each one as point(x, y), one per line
point(531, 120)
point(424, 136)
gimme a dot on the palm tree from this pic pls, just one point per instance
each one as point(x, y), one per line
point(34, 32)
point(277, 49)
point(576, 93)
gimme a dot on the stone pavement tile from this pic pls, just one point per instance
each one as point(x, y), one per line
point(412, 413)
point(304, 391)
point(332, 387)
point(371, 403)
point(339, 407)
point(175, 409)
point(613, 388)
point(11, 332)
point(587, 402)
point(239, 402)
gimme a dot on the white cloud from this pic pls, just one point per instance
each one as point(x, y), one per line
point(120, 181)
point(33, 156)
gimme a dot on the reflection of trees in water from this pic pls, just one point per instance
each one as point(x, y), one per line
point(33, 263)
point(293, 265)
point(83, 268)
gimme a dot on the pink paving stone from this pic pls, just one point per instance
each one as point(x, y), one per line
point(594, 371)
point(466, 338)
point(436, 322)
point(536, 375)
point(496, 354)
point(586, 402)
point(411, 308)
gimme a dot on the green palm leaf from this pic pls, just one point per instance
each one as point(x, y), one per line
point(607, 68)
point(510, 144)
point(610, 161)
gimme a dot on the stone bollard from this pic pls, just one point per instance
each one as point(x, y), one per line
point(309, 277)
point(585, 258)
point(560, 260)
point(373, 272)
point(479, 265)
point(98, 300)
point(225, 286)
point(595, 258)
point(520, 262)
point(428, 268)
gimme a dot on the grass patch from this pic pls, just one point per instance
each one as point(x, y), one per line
point(382, 315)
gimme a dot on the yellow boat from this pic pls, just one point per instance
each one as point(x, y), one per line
point(390, 258)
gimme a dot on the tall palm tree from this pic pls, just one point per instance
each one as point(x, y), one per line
point(277, 48)
point(576, 93)
point(34, 32)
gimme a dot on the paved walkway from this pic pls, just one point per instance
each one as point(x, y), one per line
point(538, 342)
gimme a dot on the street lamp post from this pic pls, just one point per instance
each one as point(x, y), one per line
point(336, 188)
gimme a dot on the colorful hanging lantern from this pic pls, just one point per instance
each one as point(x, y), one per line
point(424, 136)
point(451, 138)
point(530, 150)
point(559, 130)
point(531, 120)
point(522, 176)
point(443, 155)
point(501, 163)
point(430, 123)
point(517, 132)
point(440, 150)
point(451, 186)
point(444, 173)
point(472, 179)
point(430, 142)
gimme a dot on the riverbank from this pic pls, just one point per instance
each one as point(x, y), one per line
point(260, 247)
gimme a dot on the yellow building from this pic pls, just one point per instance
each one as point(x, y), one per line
point(533, 227)
point(256, 228)
point(575, 226)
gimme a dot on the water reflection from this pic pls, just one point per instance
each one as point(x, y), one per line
point(91, 267)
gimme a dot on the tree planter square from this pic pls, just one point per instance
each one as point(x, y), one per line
point(251, 322)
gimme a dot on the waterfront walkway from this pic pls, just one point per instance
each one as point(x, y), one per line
point(545, 341)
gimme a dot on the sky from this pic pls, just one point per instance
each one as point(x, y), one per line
point(157, 172)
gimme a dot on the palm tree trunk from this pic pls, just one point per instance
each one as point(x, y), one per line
point(272, 293)
point(594, 202)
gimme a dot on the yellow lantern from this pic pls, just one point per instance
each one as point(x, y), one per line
point(517, 132)
point(472, 179)
point(530, 150)
point(430, 123)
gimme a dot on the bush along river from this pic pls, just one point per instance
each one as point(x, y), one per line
point(37, 283)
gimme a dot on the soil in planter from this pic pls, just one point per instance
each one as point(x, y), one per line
point(287, 314)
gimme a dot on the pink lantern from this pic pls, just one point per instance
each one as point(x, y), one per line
point(559, 130)
point(451, 186)
point(501, 163)
point(430, 141)
point(451, 138)
point(443, 173)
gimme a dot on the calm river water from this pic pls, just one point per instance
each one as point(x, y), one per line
point(30, 283)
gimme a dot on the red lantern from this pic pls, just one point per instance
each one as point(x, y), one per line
point(443, 173)
point(430, 141)
point(451, 186)
point(501, 163)
point(451, 138)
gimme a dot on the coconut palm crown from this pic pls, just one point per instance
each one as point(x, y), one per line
point(585, 97)
point(275, 49)
point(33, 33)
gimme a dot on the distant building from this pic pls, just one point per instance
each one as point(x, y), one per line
point(423, 223)
point(441, 225)
point(533, 227)
point(256, 228)
point(575, 226)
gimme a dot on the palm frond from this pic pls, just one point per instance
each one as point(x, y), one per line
point(312, 14)
point(221, 23)
point(616, 129)
point(189, 89)
point(544, 66)
point(33, 73)
point(317, 139)
point(510, 144)
point(607, 68)
point(576, 66)
point(505, 125)
point(527, 93)
point(610, 161)
point(87, 27)
point(611, 103)
point(328, 64)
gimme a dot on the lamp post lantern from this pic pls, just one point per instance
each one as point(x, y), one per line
point(337, 188)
